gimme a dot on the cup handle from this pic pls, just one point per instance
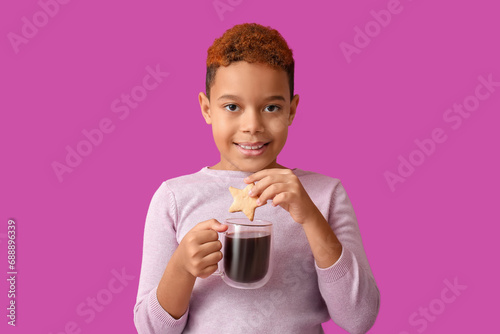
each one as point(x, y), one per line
point(218, 271)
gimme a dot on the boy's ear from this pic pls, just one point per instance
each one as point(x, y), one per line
point(293, 108)
point(205, 107)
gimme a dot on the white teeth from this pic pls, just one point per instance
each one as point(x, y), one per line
point(251, 147)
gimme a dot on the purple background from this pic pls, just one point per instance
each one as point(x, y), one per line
point(356, 116)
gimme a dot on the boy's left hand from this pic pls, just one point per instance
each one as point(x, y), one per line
point(283, 187)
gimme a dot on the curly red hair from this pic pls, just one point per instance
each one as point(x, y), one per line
point(252, 43)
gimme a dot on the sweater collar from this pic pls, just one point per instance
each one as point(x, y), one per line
point(237, 173)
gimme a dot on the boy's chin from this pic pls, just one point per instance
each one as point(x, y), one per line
point(246, 165)
point(253, 167)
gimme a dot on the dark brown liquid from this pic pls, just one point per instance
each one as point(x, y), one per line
point(246, 256)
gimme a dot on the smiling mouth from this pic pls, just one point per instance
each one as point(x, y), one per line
point(252, 145)
point(252, 149)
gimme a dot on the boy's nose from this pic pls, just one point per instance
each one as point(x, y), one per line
point(251, 121)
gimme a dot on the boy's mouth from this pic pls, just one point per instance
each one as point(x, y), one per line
point(252, 149)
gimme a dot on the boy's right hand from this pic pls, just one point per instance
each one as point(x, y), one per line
point(199, 251)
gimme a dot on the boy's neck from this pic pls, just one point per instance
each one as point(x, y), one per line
point(220, 166)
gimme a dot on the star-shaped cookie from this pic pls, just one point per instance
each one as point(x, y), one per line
point(243, 202)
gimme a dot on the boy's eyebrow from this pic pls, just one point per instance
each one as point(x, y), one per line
point(269, 98)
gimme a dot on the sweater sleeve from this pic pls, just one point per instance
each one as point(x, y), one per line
point(159, 244)
point(348, 286)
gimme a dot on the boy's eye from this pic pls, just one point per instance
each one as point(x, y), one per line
point(272, 108)
point(231, 107)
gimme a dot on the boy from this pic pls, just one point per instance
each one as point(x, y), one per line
point(320, 268)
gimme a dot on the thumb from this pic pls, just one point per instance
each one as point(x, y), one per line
point(218, 227)
point(211, 224)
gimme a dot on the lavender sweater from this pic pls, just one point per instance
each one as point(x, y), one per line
point(298, 297)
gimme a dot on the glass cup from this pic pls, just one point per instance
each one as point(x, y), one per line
point(247, 253)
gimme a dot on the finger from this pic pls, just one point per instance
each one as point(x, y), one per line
point(212, 258)
point(271, 191)
point(277, 183)
point(211, 224)
point(210, 247)
point(208, 271)
point(281, 199)
point(218, 227)
point(206, 225)
point(265, 172)
point(266, 182)
point(209, 264)
point(205, 236)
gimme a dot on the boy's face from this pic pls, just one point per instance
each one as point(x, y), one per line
point(250, 112)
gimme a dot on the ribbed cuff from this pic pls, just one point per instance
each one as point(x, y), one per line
point(337, 270)
point(163, 316)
